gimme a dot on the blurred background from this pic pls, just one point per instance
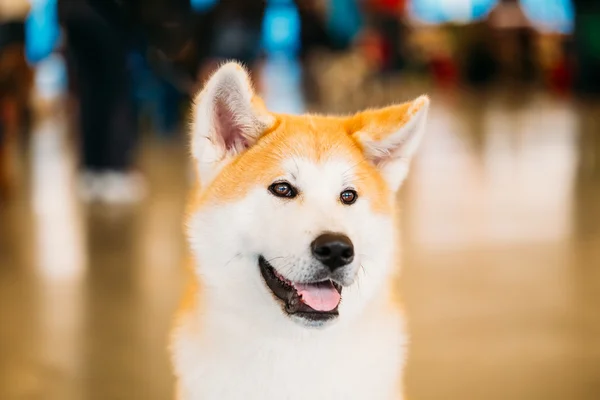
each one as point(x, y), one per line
point(500, 215)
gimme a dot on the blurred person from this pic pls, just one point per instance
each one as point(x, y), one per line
point(156, 95)
point(100, 36)
point(480, 64)
point(515, 37)
point(587, 46)
point(229, 29)
point(313, 39)
point(314, 32)
point(345, 21)
point(387, 18)
point(97, 52)
point(15, 81)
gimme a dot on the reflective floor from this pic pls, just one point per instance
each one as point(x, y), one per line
point(501, 236)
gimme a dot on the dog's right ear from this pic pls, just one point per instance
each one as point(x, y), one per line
point(228, 118)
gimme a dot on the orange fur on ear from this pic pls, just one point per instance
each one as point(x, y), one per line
point(390, 136)
point(385, 129)
point(379, 123)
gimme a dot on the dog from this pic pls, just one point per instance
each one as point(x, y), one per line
point(292, 229)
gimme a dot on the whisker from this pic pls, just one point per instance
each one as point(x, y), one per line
point(353, 166)
point(297, 167)
point(237, 255)
point(364, 270)
point(358, 278)
point(285, 264)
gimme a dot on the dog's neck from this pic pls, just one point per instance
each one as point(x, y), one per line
point(363, 355)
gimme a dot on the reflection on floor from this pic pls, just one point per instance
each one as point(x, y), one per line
point(501, 222)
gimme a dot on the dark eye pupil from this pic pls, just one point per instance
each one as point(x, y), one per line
point(348, 197)
point(283, 190)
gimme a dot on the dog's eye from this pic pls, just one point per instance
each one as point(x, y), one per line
point(348, 196)
point(283, 189)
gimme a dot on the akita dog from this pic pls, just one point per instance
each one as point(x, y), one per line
point(293, 234)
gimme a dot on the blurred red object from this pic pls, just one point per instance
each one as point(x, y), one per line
point(16, 80)
point(391, 6)
point(561, 77)
point(374, 48)
point(444, 71)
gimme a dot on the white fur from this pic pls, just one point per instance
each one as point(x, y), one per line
point(237, 343)
point(352, 361)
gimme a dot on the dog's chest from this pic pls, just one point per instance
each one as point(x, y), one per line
point(357, 365)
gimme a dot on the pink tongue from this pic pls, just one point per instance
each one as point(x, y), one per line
point(320, 296)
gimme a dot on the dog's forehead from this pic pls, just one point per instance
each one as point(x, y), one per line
point(331, 172)
point(315, 137)
point(314, 151)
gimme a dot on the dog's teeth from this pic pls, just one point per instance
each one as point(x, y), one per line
point(292, 304)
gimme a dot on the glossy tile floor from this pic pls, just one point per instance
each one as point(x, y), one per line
point(501, 236)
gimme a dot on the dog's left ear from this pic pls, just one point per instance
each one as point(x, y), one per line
point(228, 119)
point(390, 136)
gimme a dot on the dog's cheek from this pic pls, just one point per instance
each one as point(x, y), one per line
point(220, 233)
point(376, 262)
point(359, 220)
point(374, 235)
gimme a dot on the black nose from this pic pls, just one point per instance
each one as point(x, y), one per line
point(333, 249)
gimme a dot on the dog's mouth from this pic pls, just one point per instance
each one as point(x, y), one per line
point(315, 301)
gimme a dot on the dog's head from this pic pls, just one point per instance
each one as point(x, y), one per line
point(294, 217)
